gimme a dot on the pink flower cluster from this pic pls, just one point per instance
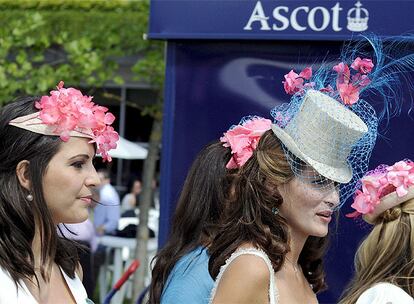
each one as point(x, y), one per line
point(379, 183)
point(243, 139)
point(68, 110)
point(348, 86)
point(295, 83)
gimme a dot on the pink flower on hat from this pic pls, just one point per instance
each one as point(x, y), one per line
point(364, 66)
point(343, 73)
point(348, 93)
point(327, 89)
point(306, 73)
point(366, 200)
point(379, 182)
point(243, 140)
point(105, 141)
point(401, 176)
point(348, 86)
point(67, 109)
point(295, 83)
point(361, 80)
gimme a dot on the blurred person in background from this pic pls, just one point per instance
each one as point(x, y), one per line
point(106, 214)
point(130, 201)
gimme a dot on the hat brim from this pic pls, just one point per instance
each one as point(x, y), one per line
point(387, 202)
point(338, 174)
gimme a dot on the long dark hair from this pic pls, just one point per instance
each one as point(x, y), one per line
point(248, 216)
point(197, 213)
point(18, 216)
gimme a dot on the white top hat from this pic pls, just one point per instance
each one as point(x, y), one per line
point(322, 133)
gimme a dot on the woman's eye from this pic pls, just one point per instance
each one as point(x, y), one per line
point(319, 182)
point(78, 165)
point(323, 182)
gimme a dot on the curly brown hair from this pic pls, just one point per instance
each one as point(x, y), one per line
point(248, 216)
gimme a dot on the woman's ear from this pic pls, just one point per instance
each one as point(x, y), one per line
point(22, 172)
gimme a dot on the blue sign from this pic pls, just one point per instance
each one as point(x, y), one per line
point(210, 85)
point(214, 81)
point(270, 19)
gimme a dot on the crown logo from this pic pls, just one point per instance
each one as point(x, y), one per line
point(357, 18)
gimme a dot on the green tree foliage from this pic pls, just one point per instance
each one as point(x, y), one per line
point(78, 41)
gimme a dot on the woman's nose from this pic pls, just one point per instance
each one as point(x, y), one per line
point(93, 179)
point(332, 198)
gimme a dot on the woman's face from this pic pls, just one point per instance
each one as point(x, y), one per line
point(68, 180)
point(308, 205)
point(136, 188)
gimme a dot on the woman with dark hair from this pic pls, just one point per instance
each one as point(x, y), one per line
point(384, 262)
point(274, 228)
point(47, 146)
point(130, 201)
point(180, 273)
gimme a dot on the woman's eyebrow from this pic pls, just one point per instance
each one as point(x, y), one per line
point(86, 156)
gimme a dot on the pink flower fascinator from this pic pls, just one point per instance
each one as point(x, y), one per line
point(384, 188)
point(348, 84)
point(242, 139)
point(67, 112)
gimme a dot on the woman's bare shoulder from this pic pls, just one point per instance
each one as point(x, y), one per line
point(246, 280)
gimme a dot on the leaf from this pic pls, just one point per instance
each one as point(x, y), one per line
point(44, 41)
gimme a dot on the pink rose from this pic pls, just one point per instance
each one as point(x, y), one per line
point(343, 73)
point(366, 200)
point(364, 66)
point(362, 203)
point(306, 73)
point(293, 83)
point(243, 140)
point(401, 177)
point(348, 93)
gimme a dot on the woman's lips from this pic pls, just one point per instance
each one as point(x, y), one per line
point(325, 216)
point(86, 199)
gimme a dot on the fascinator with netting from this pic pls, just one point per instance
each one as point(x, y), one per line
point(328, 125)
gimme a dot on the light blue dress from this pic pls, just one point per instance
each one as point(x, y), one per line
point(189, 281)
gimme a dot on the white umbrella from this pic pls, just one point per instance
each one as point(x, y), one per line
point(126, 149)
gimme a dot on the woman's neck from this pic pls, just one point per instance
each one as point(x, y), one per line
point(37, 253)
point(296, 244)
